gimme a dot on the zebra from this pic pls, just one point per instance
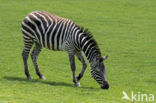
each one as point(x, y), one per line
point(47, 30)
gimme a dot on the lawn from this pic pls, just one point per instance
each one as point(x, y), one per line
point(124, 29)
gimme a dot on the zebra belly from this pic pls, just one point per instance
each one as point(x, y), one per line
point(54, 47)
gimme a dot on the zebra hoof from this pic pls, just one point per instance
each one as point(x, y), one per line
point(77, 84)
point(43, 78)
point(29, 78)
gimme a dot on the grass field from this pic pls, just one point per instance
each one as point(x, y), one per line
point(124, 29)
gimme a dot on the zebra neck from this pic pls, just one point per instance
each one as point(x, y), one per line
point(90, 48)
point(94, 61)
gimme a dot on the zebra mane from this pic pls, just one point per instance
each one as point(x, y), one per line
point(90, 36)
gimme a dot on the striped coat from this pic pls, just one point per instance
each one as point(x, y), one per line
point(49, 30)
point(56, 33)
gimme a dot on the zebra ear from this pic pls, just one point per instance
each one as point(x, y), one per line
point(105, 57)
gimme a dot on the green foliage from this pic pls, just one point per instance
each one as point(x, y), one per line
point(124, 29)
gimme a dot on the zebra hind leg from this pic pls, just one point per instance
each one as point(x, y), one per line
point(73, 68)
point(84, 65)
point(34, 57)
point(25, 54)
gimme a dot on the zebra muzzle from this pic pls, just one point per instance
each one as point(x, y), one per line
point(105, 85)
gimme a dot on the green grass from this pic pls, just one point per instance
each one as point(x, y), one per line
point(124, 29)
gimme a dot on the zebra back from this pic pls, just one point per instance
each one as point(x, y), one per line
point(57, 33)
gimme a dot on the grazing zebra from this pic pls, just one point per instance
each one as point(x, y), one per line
point(56, 33)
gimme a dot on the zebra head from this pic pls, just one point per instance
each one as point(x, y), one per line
point(98, 71)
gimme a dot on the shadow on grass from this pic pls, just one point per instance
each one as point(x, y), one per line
point(10, 78)
point(151, 81)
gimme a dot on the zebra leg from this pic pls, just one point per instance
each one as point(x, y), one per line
point(84, 65)
point(34, 57)
point(27, 46)
point(73, 68)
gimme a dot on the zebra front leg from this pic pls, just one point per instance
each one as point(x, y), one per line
point(34, 56)
point(84, 65)
point(73, 68)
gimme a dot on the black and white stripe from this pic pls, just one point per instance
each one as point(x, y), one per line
point(56, 33)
